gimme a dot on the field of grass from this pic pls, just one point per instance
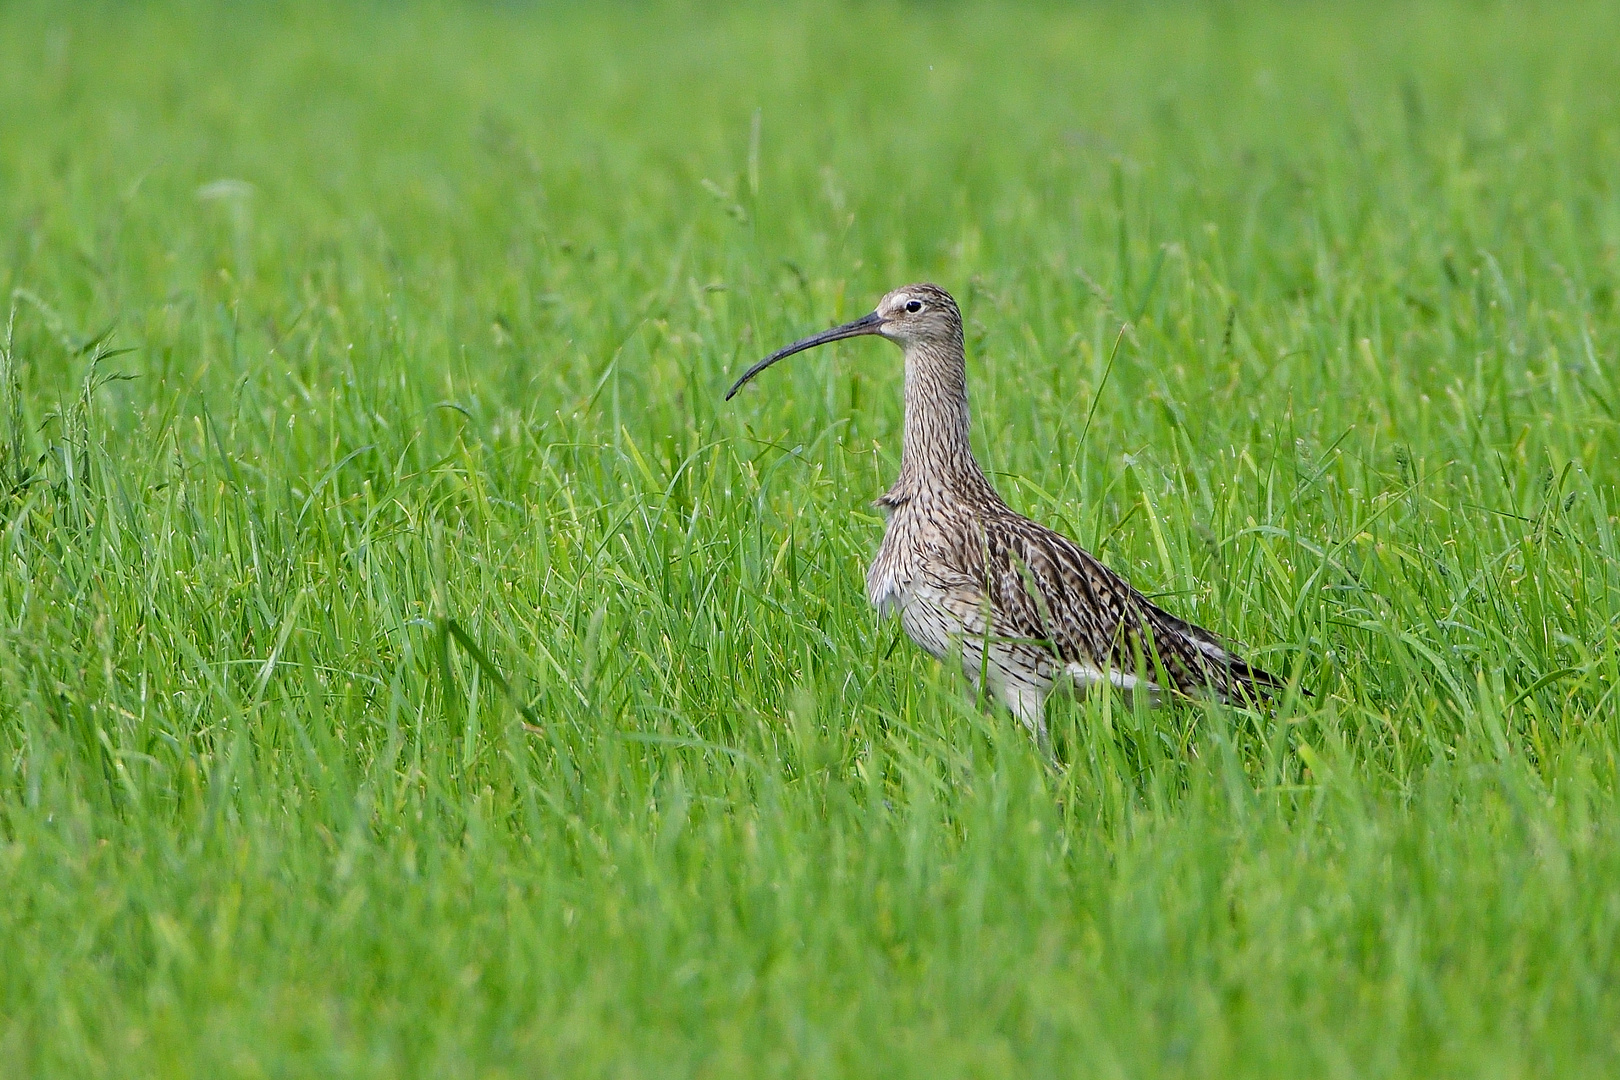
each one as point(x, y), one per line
point(409, 666)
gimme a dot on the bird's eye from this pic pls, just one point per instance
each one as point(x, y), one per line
point(914, 306)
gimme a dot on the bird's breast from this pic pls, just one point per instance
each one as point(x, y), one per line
point(889, 578)
point(886, 584)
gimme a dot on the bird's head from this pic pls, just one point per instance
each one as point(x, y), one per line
point(911, 315)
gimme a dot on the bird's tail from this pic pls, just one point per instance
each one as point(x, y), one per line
point(1209, 667)
point(1241, 681)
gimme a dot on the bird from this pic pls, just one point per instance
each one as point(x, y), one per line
point(1026, 609)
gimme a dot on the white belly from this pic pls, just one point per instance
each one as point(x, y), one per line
point(936, 625)
point(948, 626)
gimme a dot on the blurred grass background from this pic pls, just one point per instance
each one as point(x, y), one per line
point(328, 323)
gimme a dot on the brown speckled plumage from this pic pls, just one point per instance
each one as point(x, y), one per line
point(1025, 608)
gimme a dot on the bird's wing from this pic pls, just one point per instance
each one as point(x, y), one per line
point(1042, 585)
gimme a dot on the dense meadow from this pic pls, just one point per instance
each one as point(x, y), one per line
point(409, 666)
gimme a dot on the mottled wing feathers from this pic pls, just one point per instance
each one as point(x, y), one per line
point(1044, 587)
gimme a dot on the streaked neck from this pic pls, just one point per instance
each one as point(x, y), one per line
point(937, 453)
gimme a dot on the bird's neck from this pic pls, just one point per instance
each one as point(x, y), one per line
point(937, 455)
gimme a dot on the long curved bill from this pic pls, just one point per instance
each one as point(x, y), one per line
point(869, 324)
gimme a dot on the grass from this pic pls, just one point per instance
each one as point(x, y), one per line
point(332, 329)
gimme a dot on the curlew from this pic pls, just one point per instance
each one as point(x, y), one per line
point(1025, 608)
